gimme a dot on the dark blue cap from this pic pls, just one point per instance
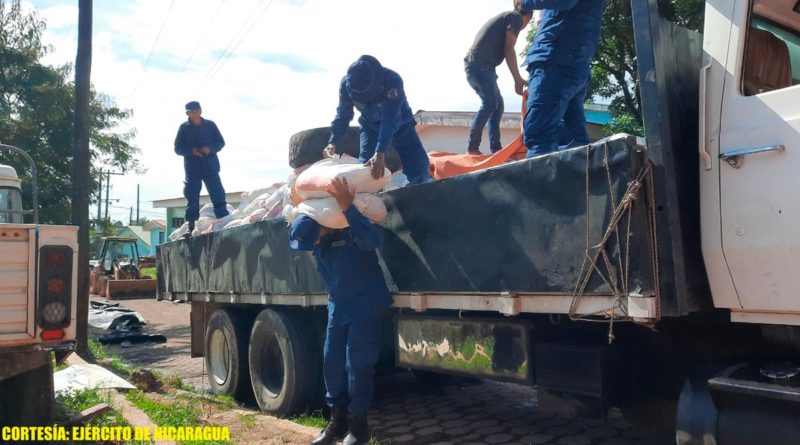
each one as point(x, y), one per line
point(193, 105)
point(303, 233)
point(364, 80)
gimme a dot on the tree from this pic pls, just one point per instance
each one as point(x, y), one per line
point(614, 72)
point(37, 113)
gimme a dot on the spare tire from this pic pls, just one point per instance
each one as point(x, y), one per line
point(305, 147)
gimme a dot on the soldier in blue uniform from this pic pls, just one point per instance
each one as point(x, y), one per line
point(386, 118)
point(558, 72)
point(199, 141)
point(358, 300)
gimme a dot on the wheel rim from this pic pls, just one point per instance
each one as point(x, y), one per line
point(272, 367)
point(219, 361)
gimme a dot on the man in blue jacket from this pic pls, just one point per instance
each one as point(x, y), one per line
point(199, 141)
point(559, 69)
point(358, 300)
point(386, 118)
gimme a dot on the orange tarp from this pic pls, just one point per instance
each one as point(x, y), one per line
point(444, 164)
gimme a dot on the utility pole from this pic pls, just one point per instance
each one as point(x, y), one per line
point(130, 217)
point(80, 167)
point(100, 199)
point(137, 204)
point(108, 186)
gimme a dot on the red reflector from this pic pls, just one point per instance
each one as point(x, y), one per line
point(53, 334)
point(55, 259)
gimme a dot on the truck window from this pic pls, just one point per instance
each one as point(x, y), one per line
point(10, 199)
point(772, 50)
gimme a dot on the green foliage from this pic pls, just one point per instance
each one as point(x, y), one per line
point(76, 401)
point(37, 112)
point(624, 123)
point(314, 420)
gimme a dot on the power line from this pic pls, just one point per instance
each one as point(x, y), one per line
point(155, 43)
point(202, 36)
point(212, 72)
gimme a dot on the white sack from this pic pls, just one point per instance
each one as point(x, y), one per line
point(327, 213)
point(317, 179)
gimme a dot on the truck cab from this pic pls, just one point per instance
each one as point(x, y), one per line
point(38, 297)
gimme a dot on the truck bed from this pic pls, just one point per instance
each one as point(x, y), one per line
point(512, 238)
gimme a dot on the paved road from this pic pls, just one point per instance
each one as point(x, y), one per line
point(463, 412)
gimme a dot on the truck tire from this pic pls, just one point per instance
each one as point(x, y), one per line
point(28, 398)
point(285, 367)
point(306, 147)
point(226, 354)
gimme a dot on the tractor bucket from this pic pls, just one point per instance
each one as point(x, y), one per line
point(130, 289)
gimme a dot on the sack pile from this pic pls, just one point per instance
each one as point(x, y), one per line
point(304, 193)
point(310, 193)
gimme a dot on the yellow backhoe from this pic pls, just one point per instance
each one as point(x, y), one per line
point(117, 274)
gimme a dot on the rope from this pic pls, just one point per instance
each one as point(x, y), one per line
point(597, 254)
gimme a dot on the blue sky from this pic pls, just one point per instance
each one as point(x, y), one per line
point(262, 70)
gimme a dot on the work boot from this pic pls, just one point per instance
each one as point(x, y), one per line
point(359, 431)
point(191, 229)
point(336, 428)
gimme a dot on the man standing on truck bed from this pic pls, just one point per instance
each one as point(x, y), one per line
point(493, 44)
point(386, 118)
point(357, 303)
point(559, 71)
point(199, 141)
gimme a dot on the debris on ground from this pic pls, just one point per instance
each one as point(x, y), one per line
point(125, 325)
point(83, 376)
point(145, 380)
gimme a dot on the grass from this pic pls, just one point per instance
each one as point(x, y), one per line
point(177, 414)
point(149, 271)
point(248, 420)
point(79, 400)
point(314, 419)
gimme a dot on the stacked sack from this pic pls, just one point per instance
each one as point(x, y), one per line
point(304, 193)
point(309, 192)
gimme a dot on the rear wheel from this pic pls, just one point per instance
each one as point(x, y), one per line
point(226, 355)
point(285, 367)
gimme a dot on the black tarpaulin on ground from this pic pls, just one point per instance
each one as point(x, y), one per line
point(519, 227)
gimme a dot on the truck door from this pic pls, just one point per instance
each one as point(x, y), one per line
point(759, 155)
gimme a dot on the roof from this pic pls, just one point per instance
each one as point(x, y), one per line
point(138, 231)
point(230, 197)
point(8, 177)
point(156, 224)
point(459, 119)
point(595, 114)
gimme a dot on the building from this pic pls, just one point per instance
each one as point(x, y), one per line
point(449, 130)
point(138, 233)
point(176, 208)
point(157, 229)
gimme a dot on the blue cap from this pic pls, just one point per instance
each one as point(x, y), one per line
point(193, 105)
point(303, 233)
point(363, 78)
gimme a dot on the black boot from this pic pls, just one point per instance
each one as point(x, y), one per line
point(335, 429)
point(191, 229)
point(359, 431)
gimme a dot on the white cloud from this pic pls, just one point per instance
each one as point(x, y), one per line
point(259, 105)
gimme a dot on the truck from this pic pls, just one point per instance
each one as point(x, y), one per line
point(38, 297)
point(654, 274)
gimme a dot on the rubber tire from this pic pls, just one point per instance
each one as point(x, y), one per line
point(306, 147)
point(297, 390)
point(236, 381)
point(28, 398)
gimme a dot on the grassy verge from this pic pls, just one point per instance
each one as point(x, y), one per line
point(314, 419)
point(76, 401)
point(176, 414)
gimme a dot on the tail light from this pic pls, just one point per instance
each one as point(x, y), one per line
point(55, 286)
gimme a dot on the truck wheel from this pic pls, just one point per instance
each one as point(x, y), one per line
point(28, 398)
point(226, 354)
point(285, 368)
point(306, 147)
